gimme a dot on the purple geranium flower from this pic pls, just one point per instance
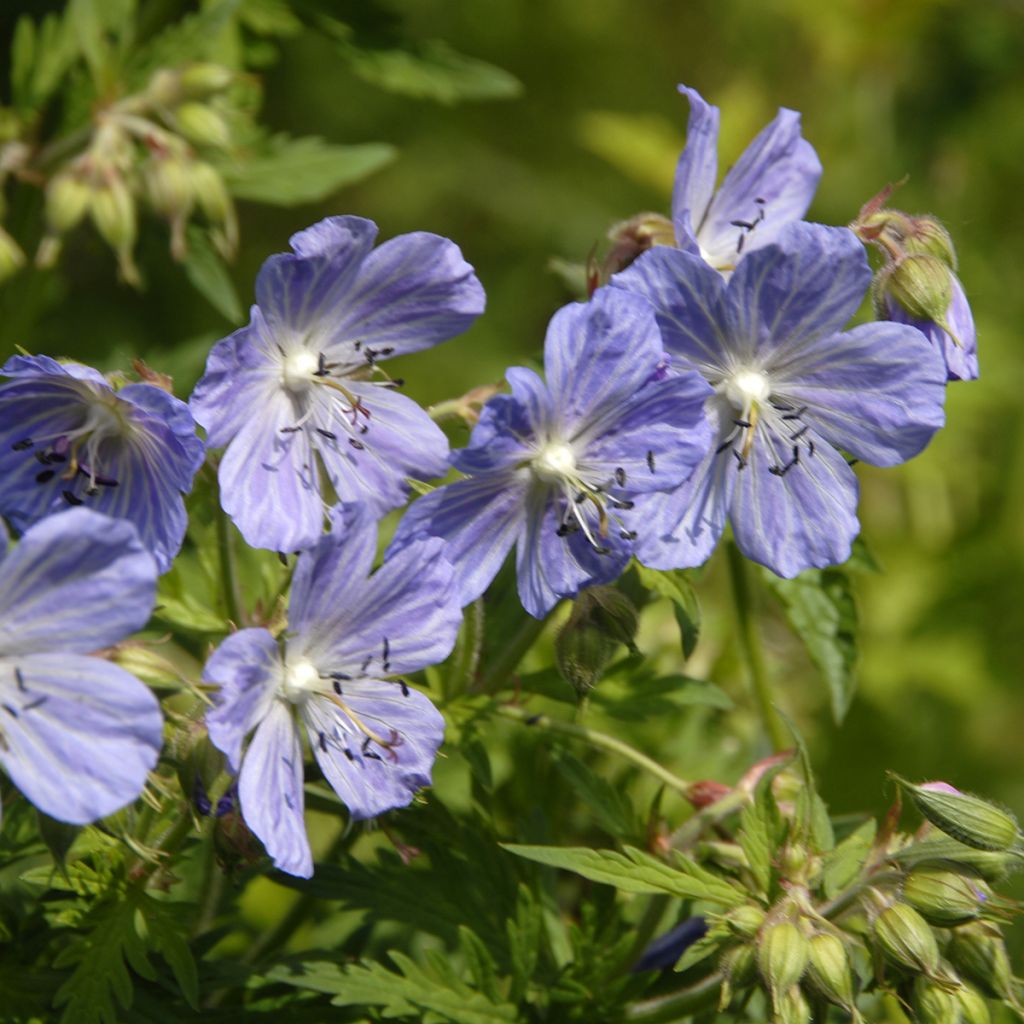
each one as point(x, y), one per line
point(955, 338)
point(374, 737)
point(297, 390)
point(770, 186)
point(78, 734)
point(562, 470)
point(67, 438)
point(791, 394)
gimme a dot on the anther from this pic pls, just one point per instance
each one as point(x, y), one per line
point(563, 530)
point(800, 433)
point(739, 458)
point(45, 476)
point(349, 754)
point(290, 430)
point(721, 448)
point(628, 534)
point(323, 741)
point(624, 505)
point(745, 224)
point(321, 366)
point(405, 687)
point(70, 498)
point(326, 433)
point(620, 476)
point(10, 710)
point(366, 663)
point(42, 457)
point(20, 680)
point(745, 424)
point(33, 704)
point(20, 446)
point(650, 460)
point(337, 688)
point(358, 445)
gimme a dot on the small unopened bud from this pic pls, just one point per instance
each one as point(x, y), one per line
point(791, 1007)
point(202, 125)
point(212, 195)
point(828, 970)
point(198, 81)
point(933, 1004)
point(739, 969)
point(164, 88)
point(601, 618)
point(632, 237)
point(67, 201)
point(945, 897)
point(928, 236)
point(920, 284)
point(168, 185)
point(113, 213)
point(11, 255)
point(782, 954)
point(973, 1008)
point(906, 939)
point(979, 952)
point(969, 819)
point(745, 920)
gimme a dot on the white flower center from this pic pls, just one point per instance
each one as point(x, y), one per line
point(300, 680)
point(298, 370)
point(554, 462)
point(746, 388)
point(104, 420)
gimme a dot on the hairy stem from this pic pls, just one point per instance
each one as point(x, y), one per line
point(750, 640)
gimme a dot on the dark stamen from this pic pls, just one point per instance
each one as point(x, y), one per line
point(46, 476)
point(33, 704)
point(290, 430)
point(366, 663)
point(326, 433)
point(349, 754)
point(340, 675)
point(405, 687)
point(742, 423)
point(745, 224)
point(321, 366)
point(810, 447)
point(373, 755)
point(323, 741)
point(625, 505)
point(384, 657)
point(337, 688)
point(366, 745)
point(800, 433)
point(563, 530)
point(650, 461)
point(10, 710)
point(620, 476)
point(358, 445)
point(42, 457)
point(20, 446)
point(739, 458)
point(628, 534)
point(721, 448)
point(70, 498)
point(20, 680)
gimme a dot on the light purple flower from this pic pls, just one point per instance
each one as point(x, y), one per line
point(301, 388)
point(792, 393)
point(956, 338)
point(349, 635)
point(78, 734)
point(771, 185)
point(67, 438)
point(562, 470)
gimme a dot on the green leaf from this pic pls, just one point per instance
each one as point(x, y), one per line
point(636, 872)
point(480, 963)
point(433, 71)
point(613, 811)
point(755, 838)
point(842, 864)
point(209, 276)
point(289, 171)
point(820, 607)
point(679, 590)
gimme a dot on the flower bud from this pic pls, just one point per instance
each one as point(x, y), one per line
point(632, 237)
point(164, 88)
point(792, 1007)
point(739, 968)
point(920, 284)
point(601, 618)
point(979, 952)
point(11, 256)
point(168, 185)
point(933, 1004)
point(199, 81)
point(973, 1008)
point(928, 236)
point(67, 201)
point(906, 939)
point(945, 897)
point(782, 955)
point(828, 970)
point(202, 125)
point(745, 920)
point(113, 213)
point(968, 819)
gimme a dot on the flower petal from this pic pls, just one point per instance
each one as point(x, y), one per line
point(599, 353)
point(270, 791)
point(372, 778)
point(806, 518)
point(31, 366)
point(403, 618)
point(771, 185)
point(507, 422)
point(686, 295)
point(80, 581)
point(79, 734)
point(876, 391)
point(412, 292)
point(160, 408)
point(803, 287)
point(247, 668)
point(479, 519)
point(697, 169)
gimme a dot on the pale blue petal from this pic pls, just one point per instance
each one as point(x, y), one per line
point(697, 169)
point(270, 791)
point(503, 435)
point(185, 454)
point(80, 734)
point(79, 580)
point(30, 366)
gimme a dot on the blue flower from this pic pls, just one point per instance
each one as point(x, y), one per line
point(68, 439)
point(300, 389)
point(78, 735)
point(349, 634)
point(792, 393)
point(771, 185)
point(562, 470)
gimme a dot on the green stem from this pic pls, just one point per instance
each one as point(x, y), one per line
point(227, 568)
point(505, 662)
point(676, 1005)
point(466, 658)
point(693, 828)
point(597, 739)
point(750, 639)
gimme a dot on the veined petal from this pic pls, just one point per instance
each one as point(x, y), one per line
point(499, 438)
point(302, 293)
point(159, 409)
point(686, 294)
point(403, 618)
point(876, 391)
point(534, 398)
point(600, 353)
point(371, 777)
point(30, 366)
point(270, 791)
point(696, 170)
point(79, 734)
point(804, 286)
point(80, 580)
point(806, 518)
point(412, 292)
point(771, 185)
point(268, 478)
point(550, 567)
point(479, 519)
point(247, 668)
point(334, 569)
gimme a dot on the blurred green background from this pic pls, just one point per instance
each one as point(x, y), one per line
point(932, 90)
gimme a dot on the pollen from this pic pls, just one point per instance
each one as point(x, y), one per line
point(554, 462)
point(299, 370)
point(300, 680)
